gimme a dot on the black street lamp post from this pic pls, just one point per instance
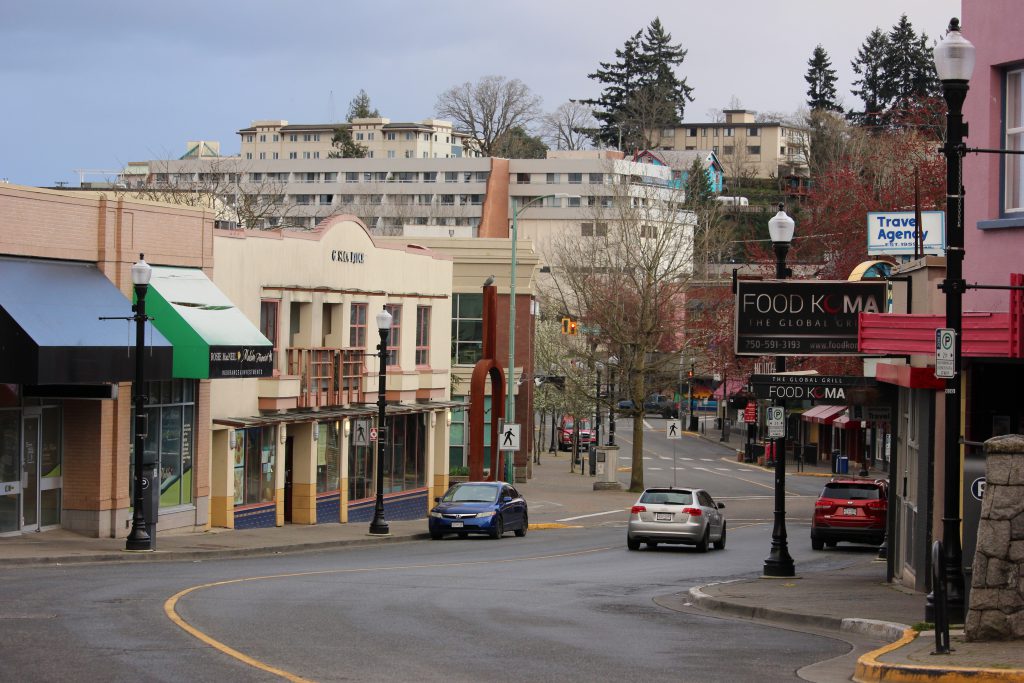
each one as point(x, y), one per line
point(692, 426)
point(779, 562)
point(138, 537)
point(613, 366)
point(954, 62)
point(379, 526)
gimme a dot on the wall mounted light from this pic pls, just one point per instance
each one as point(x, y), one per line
point(316, 431)
point(232, 439)
point(448, 417)
point(284, 433)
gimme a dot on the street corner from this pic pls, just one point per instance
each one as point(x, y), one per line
point(911, 659)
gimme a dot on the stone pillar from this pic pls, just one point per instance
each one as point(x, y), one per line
point(996, 610)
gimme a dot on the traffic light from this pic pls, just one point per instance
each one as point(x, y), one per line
point(572, 327)
point(689, 373)
point(568, 326)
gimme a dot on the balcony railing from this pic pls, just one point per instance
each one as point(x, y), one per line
point(328, 376)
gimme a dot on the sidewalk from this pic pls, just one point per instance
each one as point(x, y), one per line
point(854, 599)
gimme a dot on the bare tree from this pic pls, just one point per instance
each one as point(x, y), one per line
point(624, 274)
point(489, 108)
point(569, 126)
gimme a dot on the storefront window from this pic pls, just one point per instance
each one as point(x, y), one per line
point(10, 455)
point(404, 459)
point(457, 435)
point(254, 465)
point(170, 416)
point(328, 458)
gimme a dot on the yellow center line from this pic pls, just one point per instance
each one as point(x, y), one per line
point(170, 606)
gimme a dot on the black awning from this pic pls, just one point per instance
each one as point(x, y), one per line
point(51, 332)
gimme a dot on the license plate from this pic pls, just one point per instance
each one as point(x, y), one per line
point(457, 525)
point(850, 511)
point(662, 516)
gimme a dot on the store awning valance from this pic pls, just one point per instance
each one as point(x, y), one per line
point(823, 414)
point(51, 332)
point(212, 338)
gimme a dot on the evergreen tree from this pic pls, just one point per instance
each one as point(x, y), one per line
point(872, 90)
point(516, 143)
point(345, 147)
point(821, 81)
point(908, 66)
point(359, 107)
point(698, 186)
point(641, 89)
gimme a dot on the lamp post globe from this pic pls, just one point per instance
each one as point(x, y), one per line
point(954, 62)
point(139, 538)
point(378, 525)
point(779, 562)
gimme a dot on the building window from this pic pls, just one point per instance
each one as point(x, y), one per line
point(326, 199)
point(389, 136)
point(409, 153)
point(268, 323)
point(369, 136)
point(254, 457)
point(263, 155)
point(668, 132)
point(293, 137)
point(575, 178)
point(263, 138)
point(727, 132)
point(274, 155)
point(728, 149)
point(648, 231)
point(1014, 163)
point(574, 202)
point(293, 155)
point(703, 132)
point(753, 132)
point(391, 154)
point(553, 179)
point(170, 417)
point(395, 337)
point(316, 137)
point(596, 178)
point(357, 326)
point(467, 328)
point(307, 155)
point(276, 137)
point(248, 155)
point(522, 178)
point(423, 335)
point(754, 149)
point(359, 136)
point(691, 132)
point(328, 458)
point(409, 136)
point(404, 462)
point(451, 176)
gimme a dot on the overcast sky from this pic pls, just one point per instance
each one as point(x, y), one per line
point(95, 85)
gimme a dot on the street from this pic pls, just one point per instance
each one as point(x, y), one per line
point(561, 604)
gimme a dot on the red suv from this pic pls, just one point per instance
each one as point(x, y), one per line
point(850, 509)
point(565, 433)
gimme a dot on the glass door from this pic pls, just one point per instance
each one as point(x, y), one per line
point(30, 470)
point(41, 480)
point(10, 471)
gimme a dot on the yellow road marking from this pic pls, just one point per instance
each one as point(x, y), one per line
point(170, 606)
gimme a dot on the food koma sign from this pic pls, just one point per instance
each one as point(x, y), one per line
point(803, 317)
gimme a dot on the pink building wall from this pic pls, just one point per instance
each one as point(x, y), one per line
point(995, 28)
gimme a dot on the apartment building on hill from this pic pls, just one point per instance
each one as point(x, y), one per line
point(746, 147)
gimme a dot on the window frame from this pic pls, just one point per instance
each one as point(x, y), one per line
point(394, 335)
point(423, 336)
point(357, 324)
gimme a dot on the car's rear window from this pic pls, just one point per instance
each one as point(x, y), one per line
point(584, 424)
point(852, 491)
point(667, 498)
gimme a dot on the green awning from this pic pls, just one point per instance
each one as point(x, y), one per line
point(211, 337)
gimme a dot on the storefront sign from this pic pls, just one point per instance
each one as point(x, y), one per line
point(822, 389)
point(750, 413)
point(892, 232)
point(339, 256)
point(241, 361)
point(803, 317)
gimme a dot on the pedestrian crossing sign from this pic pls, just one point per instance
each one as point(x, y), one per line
point(509, 437)
point(674, 429)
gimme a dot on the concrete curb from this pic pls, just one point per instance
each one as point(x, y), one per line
point(882, 630)
point(871, 670)
point(194, 555)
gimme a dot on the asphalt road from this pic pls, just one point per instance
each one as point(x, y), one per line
point(560, 604)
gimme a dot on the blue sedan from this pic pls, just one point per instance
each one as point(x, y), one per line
point(479, 507)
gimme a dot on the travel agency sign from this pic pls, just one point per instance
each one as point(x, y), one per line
point(892, 232)
point(803, 317)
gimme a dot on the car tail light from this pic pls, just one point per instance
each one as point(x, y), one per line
point(637, 509)
point(693, 512)
point(876, 505)
point(822, 505)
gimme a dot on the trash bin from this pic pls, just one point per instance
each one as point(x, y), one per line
point(151, 499)
point(810, 453)
point(842, 465)
point(592, 458)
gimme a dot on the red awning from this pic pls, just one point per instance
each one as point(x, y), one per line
point(823, 414)
point(845, 422)
point(731, 386)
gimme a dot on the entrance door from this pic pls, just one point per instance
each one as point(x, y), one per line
point(41, 480)
point(30, 430)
